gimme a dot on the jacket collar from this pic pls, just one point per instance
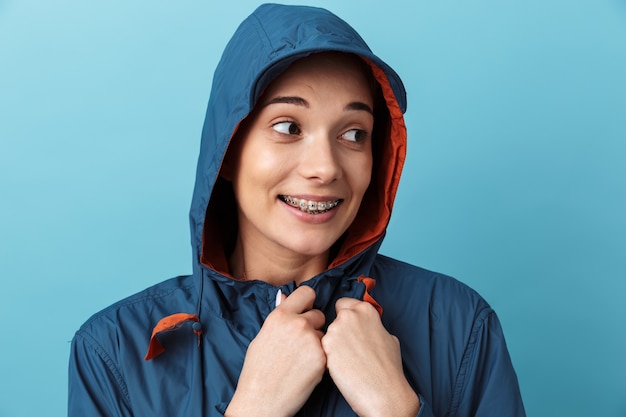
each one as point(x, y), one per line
point(246, 304)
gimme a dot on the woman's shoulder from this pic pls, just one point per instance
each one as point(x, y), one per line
point(138, 313)
point(414, 285)
point(422, 305)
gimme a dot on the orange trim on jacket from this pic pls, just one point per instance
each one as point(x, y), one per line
point(167, 324)
point(370, 283)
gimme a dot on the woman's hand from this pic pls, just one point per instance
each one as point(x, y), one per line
point(284, 362)
point(364, 362)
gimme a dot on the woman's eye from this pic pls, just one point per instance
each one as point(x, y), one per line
point(287, 128)
point(354, 135)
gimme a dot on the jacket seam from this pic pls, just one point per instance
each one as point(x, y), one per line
point(133, 301)
point(261, 31)
point(468, 356)
point(104, 356)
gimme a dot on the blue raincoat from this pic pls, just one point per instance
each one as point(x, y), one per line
point(193, 331)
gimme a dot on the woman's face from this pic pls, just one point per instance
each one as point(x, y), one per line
point(304, 160)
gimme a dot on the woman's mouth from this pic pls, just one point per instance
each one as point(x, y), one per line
point(310, 206)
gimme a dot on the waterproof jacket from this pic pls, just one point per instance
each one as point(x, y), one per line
point(177, 349)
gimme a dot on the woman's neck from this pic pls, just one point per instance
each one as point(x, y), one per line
point(276, 267)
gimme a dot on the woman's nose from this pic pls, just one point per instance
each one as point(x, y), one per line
point(319, 160)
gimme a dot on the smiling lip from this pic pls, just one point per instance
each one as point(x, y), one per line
point(310, 206)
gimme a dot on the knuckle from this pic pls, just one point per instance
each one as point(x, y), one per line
point(345, 314)
point(327, 342)
point(365, 307)
point(276, 316)
point(299, 323)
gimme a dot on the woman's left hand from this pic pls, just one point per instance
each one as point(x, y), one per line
point(364, 362)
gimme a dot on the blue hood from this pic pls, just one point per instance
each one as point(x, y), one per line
point(251, 60)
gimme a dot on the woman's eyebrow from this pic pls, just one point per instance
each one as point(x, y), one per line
point(298, 101)
point(359, 105)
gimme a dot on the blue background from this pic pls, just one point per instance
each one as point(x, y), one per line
point(515, 181)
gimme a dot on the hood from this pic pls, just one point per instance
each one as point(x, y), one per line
point(263, 46)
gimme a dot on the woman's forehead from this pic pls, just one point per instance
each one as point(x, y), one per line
point(327, 67)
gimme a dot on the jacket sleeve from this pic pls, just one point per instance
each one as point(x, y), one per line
point(486, 383)
point(96, 387)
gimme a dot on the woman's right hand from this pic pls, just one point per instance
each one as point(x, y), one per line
point(284, 362)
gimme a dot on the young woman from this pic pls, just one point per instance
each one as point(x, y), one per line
point(290, 310)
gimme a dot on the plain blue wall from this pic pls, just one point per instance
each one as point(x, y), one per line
point(515, 181)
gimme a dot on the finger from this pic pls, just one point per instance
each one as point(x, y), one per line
point(316, 318)
point(346, 303)
point(300, 300)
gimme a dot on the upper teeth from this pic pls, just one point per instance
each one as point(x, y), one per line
point(308, 206)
